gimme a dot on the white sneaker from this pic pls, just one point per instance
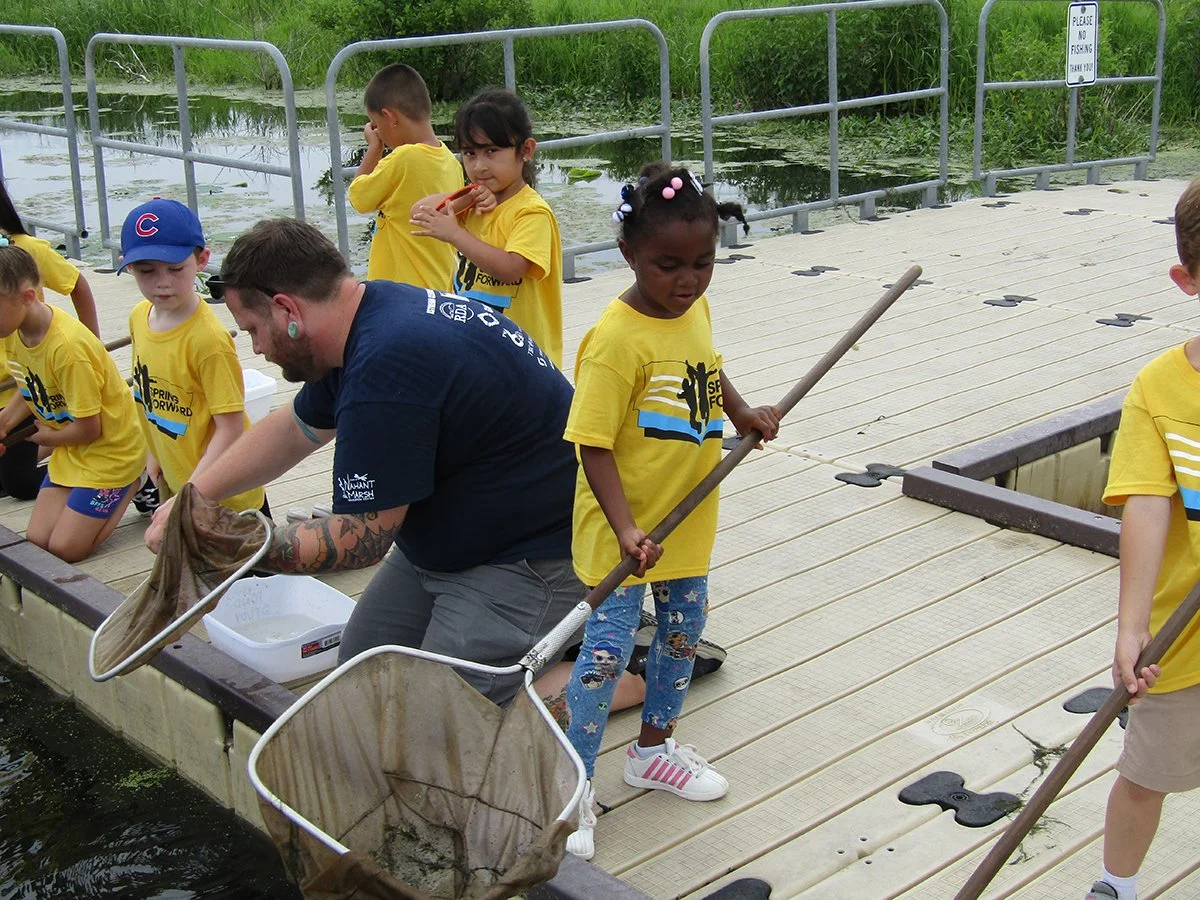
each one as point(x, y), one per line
point(677, 768)
point(582, 843)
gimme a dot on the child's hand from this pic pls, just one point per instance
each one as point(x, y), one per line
point(764, 419)
point(158, 524)
point(371, 136)
point(43, 436)
point(442, 225)
point(1129, 647)
point(485, 200)
point(635, 543)
point(153, 470)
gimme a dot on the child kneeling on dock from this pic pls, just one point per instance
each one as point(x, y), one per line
point(186, 376)
point(1154, 473)
point(84, 413)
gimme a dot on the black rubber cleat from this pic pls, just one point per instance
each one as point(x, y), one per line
point(743, 889)
point(947, 790)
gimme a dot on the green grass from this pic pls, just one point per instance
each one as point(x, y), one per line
point(755, 64)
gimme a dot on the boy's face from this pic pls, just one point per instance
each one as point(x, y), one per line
point(13, 307)
point(169, 285)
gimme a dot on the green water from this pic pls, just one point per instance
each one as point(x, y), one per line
point(82, 815)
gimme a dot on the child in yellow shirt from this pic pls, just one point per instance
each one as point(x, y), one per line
point(651, 400)
point(19, 474)
point(187, 380)
point(398, 110)
point(511, 257)
point(84, 412)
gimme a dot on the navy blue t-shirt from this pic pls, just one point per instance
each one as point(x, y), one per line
point(444, 404)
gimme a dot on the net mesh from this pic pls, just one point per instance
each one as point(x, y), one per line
point(437, 792)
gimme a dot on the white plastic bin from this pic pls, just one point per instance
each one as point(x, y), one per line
point(259, 388)
point(285, 626)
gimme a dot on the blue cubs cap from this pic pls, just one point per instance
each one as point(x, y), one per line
point(161, 231)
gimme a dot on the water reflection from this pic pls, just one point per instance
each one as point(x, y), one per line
point(83, 815)
point(759, 172)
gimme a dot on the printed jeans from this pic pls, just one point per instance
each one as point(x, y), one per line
point(682, 607)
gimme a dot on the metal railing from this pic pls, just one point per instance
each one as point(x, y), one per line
point(982, 86)
point(833, 106)
point(508, 38)
point(186, 152)
point(72, 233)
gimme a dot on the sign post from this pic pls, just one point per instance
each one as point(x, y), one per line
point(1083, 43)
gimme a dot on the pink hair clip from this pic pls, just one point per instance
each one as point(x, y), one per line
point(669, 191)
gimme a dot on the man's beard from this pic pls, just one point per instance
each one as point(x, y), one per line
point(296, 362)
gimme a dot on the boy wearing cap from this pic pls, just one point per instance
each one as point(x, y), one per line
point(186, 376)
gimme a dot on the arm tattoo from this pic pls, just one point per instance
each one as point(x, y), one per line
point(333, 543)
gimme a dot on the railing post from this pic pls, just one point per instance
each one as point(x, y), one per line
point(1072, 117)
point(832, 47)
point(185, 128)
point(510, 65)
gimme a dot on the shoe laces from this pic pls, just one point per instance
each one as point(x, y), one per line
point(689, 757)
point(587, 811)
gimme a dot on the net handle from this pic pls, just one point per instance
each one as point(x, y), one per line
point(550, 644)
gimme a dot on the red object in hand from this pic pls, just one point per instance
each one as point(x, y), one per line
point(451, 199)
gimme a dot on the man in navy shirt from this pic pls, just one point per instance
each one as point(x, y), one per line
point(449, 424)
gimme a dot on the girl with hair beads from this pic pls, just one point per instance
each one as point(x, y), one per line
point(647, 418)
point(84, 411)
point(511, 257)
point(19, 474)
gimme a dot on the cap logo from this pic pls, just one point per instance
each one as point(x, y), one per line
point(145, 225)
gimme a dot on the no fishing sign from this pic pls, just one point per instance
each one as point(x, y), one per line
point(1083, 40)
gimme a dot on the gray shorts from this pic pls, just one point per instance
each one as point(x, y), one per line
point(488, 614)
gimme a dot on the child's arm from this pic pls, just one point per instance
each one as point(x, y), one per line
point(85, 305)
point(744, 418)
point(1143, 537)
point(374, 150)
point(600, 467)
point(227, 428)
point(83, 430)
point(496, 261)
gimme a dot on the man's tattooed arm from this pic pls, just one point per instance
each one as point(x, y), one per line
point(336, 542)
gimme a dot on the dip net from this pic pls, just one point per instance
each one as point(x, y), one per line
point(434, 790)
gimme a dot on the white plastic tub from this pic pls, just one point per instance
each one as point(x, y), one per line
point(259, 388)
point(285, 626)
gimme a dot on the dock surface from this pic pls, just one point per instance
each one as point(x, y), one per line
point(874, 639)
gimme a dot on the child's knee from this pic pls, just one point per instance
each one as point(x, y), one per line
point(69, 549)
point(1135, 793)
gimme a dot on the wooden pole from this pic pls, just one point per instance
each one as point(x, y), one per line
point(1079, 749)
point(629, 564)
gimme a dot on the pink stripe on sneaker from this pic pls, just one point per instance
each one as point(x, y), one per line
point(687, 776)
point(679, 777)
point(652, 771)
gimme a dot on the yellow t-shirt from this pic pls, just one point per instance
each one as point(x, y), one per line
point(402, 178)
point(1157, 452)
point(649, 390)
point(181, 378)
point(56, 273)
point(69, 375)
point(524, 224)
